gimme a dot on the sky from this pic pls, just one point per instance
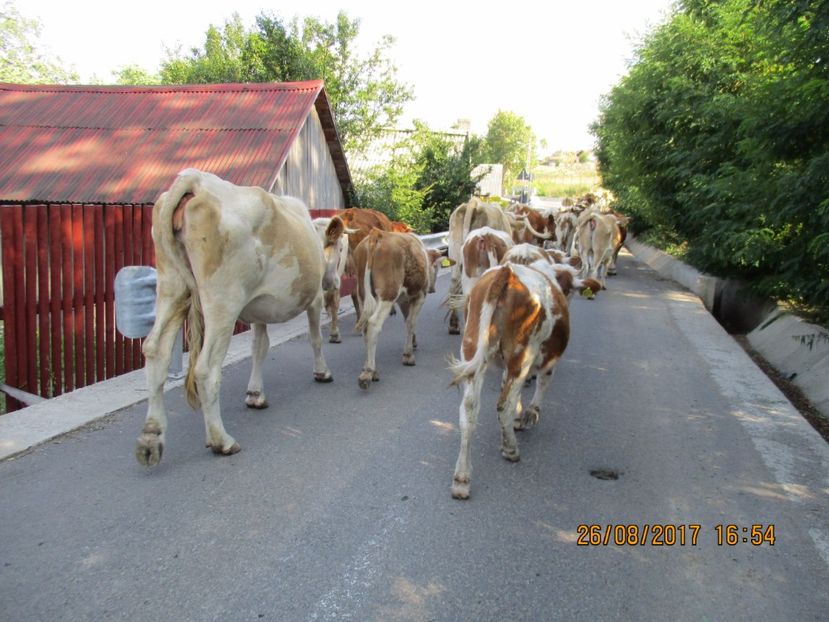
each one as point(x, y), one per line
point(549, 61)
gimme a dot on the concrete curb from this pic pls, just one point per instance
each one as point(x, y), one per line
point(797, 349)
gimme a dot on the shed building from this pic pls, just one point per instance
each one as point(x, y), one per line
point(80, 168)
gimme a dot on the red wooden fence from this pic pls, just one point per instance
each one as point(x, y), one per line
point(59, 265)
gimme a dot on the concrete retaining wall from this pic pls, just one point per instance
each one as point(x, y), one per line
point(797, 349)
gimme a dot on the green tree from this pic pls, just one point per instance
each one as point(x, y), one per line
point(426, 176)
point(22, 56)
point(134, 74)
point(225, 57)
point(364, 90)
point(507, 141)
point(390, 188)
point(446, 172)
point(719, 137)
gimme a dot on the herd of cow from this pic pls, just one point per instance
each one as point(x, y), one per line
point(226, 253)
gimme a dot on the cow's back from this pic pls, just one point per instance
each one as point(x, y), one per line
point(473, 215)
point(397, 260)
point(364, 220)
point(243, 241)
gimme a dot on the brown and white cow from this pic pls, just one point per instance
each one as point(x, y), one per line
point(484, 248)
point(528, 253)
point(360, 221)
point(225, 253)
point(468, 216)
point(517, 317)
point(335, 249)
point(391, 268)
point(533, 226)
point(566, 224)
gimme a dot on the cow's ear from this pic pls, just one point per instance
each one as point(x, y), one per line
point(335, 229)
point(434, 256)
point(565, 280)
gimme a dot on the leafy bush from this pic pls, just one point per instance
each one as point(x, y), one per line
point(720, 134)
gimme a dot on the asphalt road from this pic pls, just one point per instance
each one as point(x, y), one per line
point(338, 506)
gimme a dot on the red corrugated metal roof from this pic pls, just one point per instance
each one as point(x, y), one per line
point(119, 144)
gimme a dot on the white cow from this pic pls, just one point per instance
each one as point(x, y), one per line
point(595, 234)
point(226, 253)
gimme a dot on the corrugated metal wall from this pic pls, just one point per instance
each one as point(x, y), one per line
point(309, 172)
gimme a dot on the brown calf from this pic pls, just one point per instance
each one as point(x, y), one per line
point(391, 267)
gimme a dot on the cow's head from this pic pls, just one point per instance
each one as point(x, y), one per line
point(334, 249)
point(435, 258)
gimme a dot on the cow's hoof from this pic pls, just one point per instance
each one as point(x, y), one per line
point(460, 489)
point(511, 455)
point(323, 377)
point(256, 400)
point(149, 449)
point(233, 449)
point(363, 381)
point(527, 418)
point(334, 339)
point(454, 330)
point(409, 360)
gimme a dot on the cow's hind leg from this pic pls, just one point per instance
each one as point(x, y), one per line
point(455, 298)
point(321, 371)
point(467, 419)
point(507, 406)
point(332, 305)
point(370, 334)
point(218, 329)
point(411, 311)
point(532, 413)
point(158, 347)
point(255, 397)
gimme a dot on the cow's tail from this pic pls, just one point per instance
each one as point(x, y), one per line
point(369, 302)
point(471, 208)
point(168, 214)
point(466, 370)
point(195, 339)
point(168, 221)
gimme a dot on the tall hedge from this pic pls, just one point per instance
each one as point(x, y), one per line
point(719, 137)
